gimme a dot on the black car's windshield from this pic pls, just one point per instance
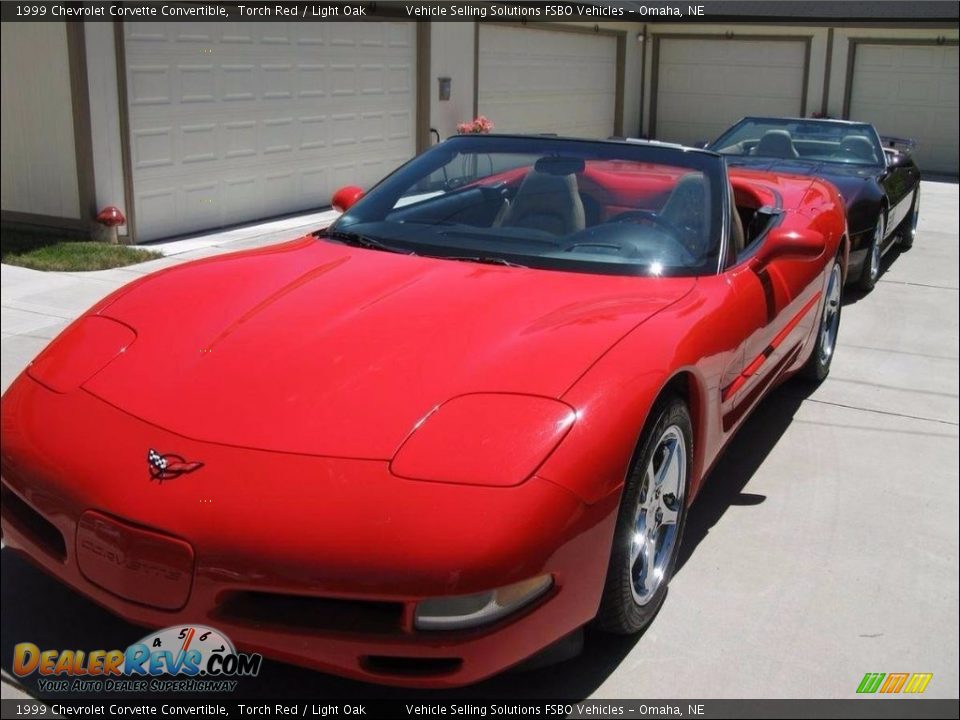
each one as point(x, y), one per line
point(817, 140)
point(604, 207)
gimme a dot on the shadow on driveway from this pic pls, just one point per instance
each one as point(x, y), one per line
point(723, 487)
point(853, 294)
point(38, 609)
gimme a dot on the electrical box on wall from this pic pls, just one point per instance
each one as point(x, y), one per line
point(444, 88)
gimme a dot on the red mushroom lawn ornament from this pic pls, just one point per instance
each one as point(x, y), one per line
point(108, 220)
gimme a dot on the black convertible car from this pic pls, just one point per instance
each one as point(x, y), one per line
point(881, 185)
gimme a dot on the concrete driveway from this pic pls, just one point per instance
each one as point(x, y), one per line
point(824, 546)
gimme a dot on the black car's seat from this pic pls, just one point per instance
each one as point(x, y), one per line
point(860, 147)
point(776, 143)
point(546, 202)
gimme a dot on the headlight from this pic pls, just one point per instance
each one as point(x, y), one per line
point(496, 439)
point(466, 611)
point(80, 352)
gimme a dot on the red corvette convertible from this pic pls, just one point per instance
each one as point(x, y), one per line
point(430, 441)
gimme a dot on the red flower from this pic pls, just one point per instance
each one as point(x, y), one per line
point(478, 125)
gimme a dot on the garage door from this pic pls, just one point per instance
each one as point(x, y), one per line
point(232, 122)
point(704, 85)
point(910, 91)
point(544, 81)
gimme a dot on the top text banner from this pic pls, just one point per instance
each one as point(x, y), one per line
point(442, 11)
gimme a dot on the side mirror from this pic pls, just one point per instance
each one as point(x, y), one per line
point(346, 197)
point(789, 245)
point(897, 159)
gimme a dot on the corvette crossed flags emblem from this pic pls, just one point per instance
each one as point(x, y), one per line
point(169, 466)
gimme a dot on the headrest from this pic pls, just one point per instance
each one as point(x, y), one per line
point(777, 142)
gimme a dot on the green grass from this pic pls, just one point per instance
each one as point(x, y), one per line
point(42, 251)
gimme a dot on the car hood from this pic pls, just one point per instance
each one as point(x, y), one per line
point(803, 167)
point(317, 348)
point(857, 184)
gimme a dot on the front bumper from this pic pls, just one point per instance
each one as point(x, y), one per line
point(313, 561)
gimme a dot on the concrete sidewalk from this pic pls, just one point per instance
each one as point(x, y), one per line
point(35, 306)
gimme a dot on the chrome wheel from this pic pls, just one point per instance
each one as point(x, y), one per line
point(831, 315)
point(658, 511)
point(876, 249)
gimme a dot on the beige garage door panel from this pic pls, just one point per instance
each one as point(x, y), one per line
point(38, 163)
point(533, 80)
point(706, 85)
point(911, 91)
point(230, 123)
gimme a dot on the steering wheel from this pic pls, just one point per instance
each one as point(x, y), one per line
point(675, 233)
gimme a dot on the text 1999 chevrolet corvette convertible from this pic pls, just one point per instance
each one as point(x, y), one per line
point(431, 440)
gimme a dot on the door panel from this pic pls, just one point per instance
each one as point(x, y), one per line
point(781, 302)
point(899, 185)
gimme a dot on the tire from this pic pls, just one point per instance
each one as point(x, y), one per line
point(817, 366)
point(871, 266)
point(631, 595)
point(908, 228)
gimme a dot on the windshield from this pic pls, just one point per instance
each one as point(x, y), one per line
point(602, 207)
point(817, 140)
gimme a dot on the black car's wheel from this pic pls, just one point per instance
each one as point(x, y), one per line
point(908, 228)
point(818, 366)
point(871, 266)
point(650, 522)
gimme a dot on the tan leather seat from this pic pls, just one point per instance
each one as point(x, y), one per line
point(687, 208)
point(737, 235)
point(684, 207)
point(546, 202)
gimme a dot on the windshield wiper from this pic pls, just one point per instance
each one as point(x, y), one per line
point(355, 239)
point(485, 259)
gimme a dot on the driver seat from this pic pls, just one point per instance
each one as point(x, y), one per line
point(776, 143)
point(685, 206)
point(546, 202)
